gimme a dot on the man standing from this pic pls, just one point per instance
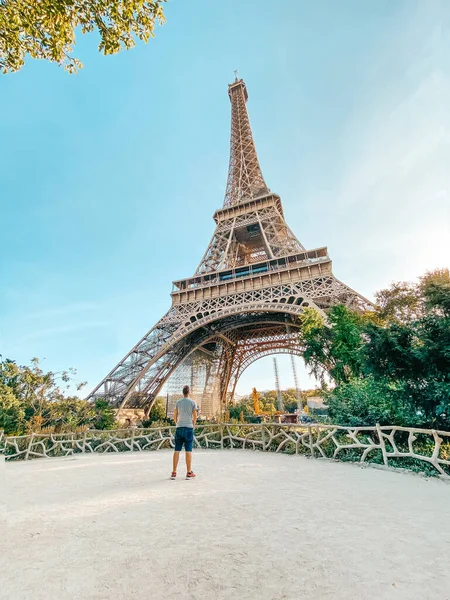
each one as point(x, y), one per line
point(185, 417)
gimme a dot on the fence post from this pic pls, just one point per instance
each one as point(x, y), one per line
point(221, 434)
point(263, 436)
point(383, 447)
point(311, 448)
point(83, 449)
point(29, 446)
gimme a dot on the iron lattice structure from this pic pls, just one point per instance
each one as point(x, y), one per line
point(244, 299)
point(198, 371)
point(277, 385)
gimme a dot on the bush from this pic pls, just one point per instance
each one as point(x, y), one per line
point(366, 402)
point(105, 416)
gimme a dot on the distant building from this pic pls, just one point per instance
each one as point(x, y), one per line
point(316, 403)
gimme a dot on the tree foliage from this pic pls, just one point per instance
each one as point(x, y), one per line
point(46, 28)
point(268, 403)
point(368, 401)
point(434, 288)
point(405, 302)
point(333, 348)
point(395, 368)
point(32, 399)
point(290, 400)
point(157, 413)
point(399, 303)
point(105, 417)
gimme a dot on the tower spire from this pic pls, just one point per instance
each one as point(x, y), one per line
point(245, 180)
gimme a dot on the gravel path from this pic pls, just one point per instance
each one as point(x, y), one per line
point(251, 526)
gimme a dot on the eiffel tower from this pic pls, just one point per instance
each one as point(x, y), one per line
point(245, 297)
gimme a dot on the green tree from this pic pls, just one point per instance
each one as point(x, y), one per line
point(415, 359)
point(244, 406)
point(290, 400)
point(268, 397)
point(105, 417)
point(28, 395)
point(333, 348)
point(366, 402)
point(269, 407)
point(70, 414)
point(393, 365)
point(46, 28)
point(435, 290)
point(158, 410)
point(412, 352)
point(404, 302)
point(32, 399)
point(400, 303)
point(12, 412)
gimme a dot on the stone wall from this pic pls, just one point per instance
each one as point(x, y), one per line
point(136, 415)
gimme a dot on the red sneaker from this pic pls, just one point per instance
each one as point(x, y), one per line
point(174, 475)
point(190, 475)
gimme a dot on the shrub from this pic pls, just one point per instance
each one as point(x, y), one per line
point(366, 402)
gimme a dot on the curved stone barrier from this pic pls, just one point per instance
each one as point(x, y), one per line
point(424, 450)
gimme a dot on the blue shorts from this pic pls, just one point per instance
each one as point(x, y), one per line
point(184, 436)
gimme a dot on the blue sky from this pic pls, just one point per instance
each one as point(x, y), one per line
point(109, 179)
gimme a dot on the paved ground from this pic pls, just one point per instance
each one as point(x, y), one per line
point(251, 526)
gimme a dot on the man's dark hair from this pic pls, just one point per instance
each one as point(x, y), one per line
point(186, 390)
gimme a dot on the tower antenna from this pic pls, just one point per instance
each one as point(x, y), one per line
point(277, 385)
point(297, 390)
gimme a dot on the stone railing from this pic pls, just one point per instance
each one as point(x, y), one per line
point(423, 450)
